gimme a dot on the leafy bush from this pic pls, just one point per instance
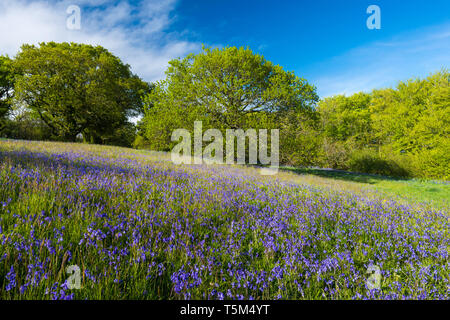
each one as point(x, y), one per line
point(123, 136)
point(26, 128)
point(434, 164)
point(141, 143)
point(335, 154)
point(368, 161)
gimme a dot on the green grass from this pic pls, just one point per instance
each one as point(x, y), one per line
point(139, 227)
point(413, 191)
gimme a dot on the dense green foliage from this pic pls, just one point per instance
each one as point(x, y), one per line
point(396, 132)
point(6, 87)
point(78, 89)
point(229, 88)
point(26, 125)
point(401, 132)
point(78, 92)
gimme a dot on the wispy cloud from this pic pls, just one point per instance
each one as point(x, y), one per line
point(137, 33)
point(384, 63)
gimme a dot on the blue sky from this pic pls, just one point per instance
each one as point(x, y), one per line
point(325, 41)
point(328, 42)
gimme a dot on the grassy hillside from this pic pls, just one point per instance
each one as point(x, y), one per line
point(139, 227)
point(411, 191)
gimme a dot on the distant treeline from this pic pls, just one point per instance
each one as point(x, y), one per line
point(398, 132)
point(73, 92)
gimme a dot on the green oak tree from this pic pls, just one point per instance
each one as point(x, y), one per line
point(78, 88)
point(228, 88)
point(6, 88)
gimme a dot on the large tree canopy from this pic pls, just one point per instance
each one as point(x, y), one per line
point(225, 88)
point(408, 124)
point(78, 88)
point(347, 118)
point(6, 86)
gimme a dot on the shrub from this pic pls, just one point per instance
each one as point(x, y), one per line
point(141, 143)
point(369, 161)
point(433, 164)
point(335, 154)
point(26, 128)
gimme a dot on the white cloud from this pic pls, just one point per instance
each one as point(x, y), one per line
point(134, 32)
point(383, 64)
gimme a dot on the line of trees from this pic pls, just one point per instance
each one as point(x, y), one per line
point(398, 132)
point(70, 92)
point(402, 131)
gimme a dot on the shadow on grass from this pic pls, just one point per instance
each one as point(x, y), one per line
point(342, 175)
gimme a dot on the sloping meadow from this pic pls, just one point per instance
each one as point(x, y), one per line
point(138, 227)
